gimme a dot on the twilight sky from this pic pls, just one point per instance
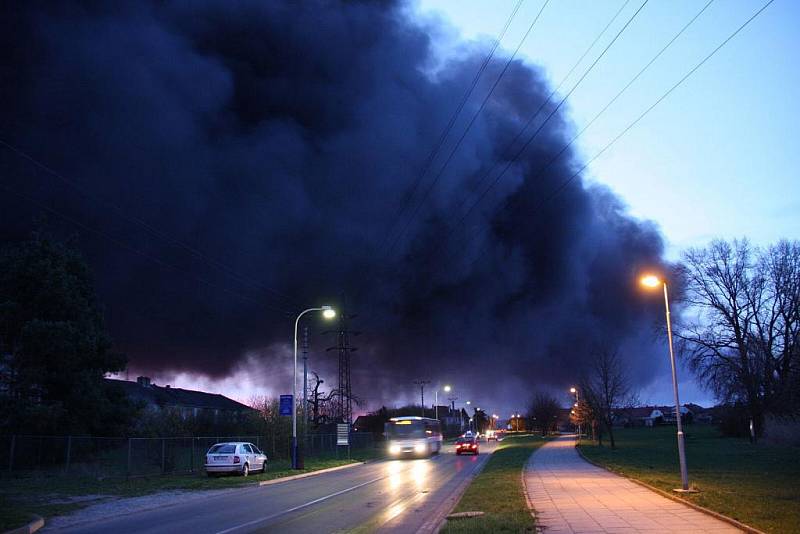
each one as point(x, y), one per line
point(719, 157)
point(223, 166)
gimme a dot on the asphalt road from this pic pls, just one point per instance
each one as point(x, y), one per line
point(383, 496)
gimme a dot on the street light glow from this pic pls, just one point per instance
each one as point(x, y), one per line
point(572, 390)
point(447, 389)
point(328, 312)
point(651, 280)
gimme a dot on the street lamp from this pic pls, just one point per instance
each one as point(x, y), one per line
point(574, 391)
point(436, 400)
point(328, 313)
point(653, 281)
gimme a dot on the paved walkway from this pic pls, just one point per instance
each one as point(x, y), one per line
point(571, 495)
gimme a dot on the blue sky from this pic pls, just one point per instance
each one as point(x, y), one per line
point(718, 158)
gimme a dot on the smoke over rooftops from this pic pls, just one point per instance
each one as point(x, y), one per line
point(280, 139)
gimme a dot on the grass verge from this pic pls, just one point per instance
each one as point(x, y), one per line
point(754, 484)
point(48, 496)
point(497, 492)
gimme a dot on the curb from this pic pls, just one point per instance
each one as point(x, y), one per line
point(729, 520)
point(30, 528)
point(309, 474)
point(456, 495)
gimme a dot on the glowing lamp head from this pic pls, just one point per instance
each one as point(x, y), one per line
point(572, 390)
point(651, 280)
point(447, 389)
point(328, 312)
point(468, 403)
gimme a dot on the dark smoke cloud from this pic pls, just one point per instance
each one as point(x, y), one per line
point(279, 139)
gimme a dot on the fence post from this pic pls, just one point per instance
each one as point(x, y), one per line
point(11, 453)
point(128, 469)
point(69, 450)
point(191, 466)
point(163, 455)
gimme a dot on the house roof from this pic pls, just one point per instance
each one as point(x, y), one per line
point(186, 398)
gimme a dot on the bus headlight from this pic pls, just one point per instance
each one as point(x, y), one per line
point(420, 447)
point(394, 449)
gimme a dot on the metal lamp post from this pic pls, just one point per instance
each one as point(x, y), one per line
point(653, 281)
point(577, 401)
point(436, 401)
point(329, 313)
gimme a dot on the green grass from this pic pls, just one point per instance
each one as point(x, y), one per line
point(497, 491)
point(47, 496)
point(757, 485)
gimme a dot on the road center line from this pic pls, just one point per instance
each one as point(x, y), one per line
point(309, 503)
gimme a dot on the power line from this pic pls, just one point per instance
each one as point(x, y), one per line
point(659, 100)
point(446, 131)
point(625, 130)
point(455, 148)
point(547, 100)
point(143, 224)
point(527, 143)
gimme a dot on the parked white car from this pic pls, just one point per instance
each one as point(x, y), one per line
point(235, 457)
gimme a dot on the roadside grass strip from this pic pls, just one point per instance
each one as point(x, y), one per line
point(497, 492)
point(758, 485)
point(48, 496)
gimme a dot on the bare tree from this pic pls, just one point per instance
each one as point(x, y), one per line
point(744, 341)
point(543, 412)
point(605, 389)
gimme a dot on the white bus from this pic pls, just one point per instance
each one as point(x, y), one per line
point(413, 436)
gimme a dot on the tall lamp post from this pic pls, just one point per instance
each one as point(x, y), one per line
point(329, 313)
point(574, 391)
point(436, 400)
point(653, 281)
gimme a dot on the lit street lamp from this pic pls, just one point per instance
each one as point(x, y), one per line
point(653, 281)
point(329, 313)
point(436, 400)
point(574, 391)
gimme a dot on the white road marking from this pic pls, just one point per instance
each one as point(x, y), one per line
point(306, 505)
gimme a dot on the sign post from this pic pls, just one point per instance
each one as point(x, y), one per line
point(285, 407)
point(343, 437)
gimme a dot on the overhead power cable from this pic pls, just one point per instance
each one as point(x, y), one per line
point(533, 136)
point(519, 134)
point(631, 125)
point(455, 148)
point(143, 224)
point(408, 197)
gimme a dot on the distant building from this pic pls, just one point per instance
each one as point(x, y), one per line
point(185, 402)
point(652, 415)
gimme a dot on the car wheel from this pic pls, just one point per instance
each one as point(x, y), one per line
point(245, 470)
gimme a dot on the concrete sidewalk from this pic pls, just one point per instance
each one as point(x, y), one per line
point(571, 495)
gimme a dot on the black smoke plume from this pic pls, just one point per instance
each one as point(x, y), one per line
point(229, 163)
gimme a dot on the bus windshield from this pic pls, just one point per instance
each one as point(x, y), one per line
point(411, 430)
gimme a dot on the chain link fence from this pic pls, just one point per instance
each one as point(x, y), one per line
point(101, 457)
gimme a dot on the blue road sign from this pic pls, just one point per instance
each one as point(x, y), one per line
point(286, 405)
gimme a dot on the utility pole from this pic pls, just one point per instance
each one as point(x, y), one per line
point(344, 393)
point(421, 384)
point(305, 383)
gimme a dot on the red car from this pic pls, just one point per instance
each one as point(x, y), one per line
point(466, 446)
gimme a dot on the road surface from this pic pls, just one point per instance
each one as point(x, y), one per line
point(382, 496)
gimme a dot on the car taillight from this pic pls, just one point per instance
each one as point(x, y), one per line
point(474, 446)
point(236, 459)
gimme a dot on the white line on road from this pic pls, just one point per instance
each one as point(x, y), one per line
point(300, 507)
point(310, 503)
